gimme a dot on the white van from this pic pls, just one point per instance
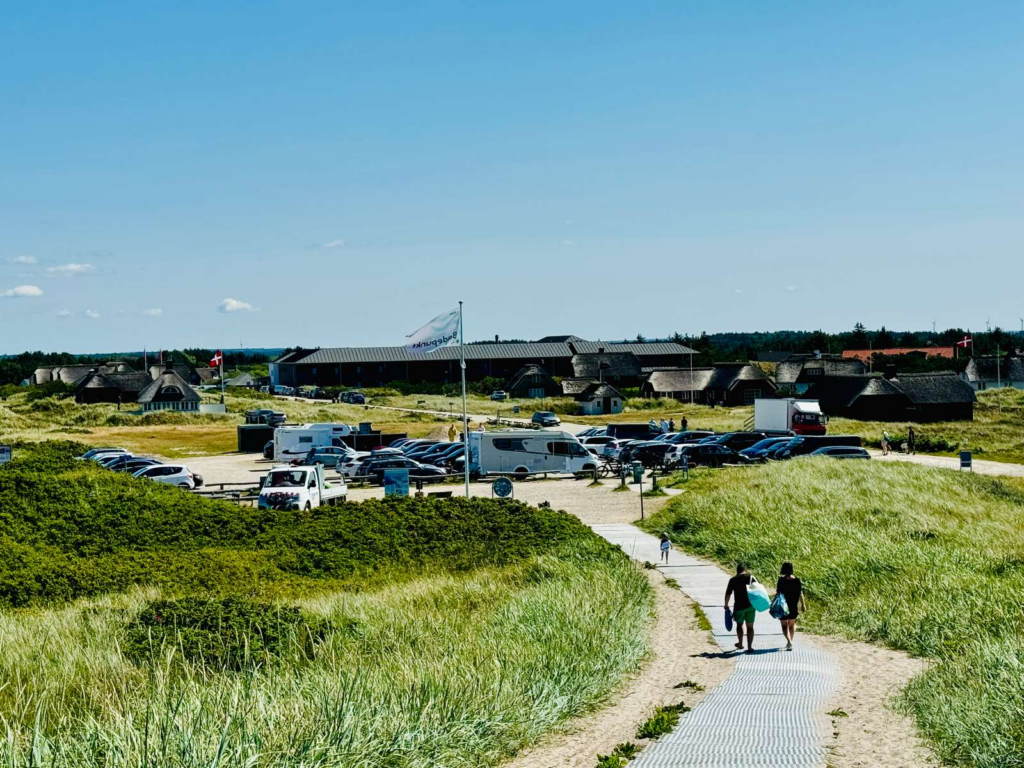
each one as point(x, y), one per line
point(523, 451)
point(295, 442)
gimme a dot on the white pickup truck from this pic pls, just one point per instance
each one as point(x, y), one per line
point(300, 488)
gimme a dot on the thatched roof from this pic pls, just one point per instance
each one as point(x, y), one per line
point(532, 369)
point(983, 369)
point(573, 386)
point(728, 375)
point(598, 391)
point(130, 382)
point(680, 380)
point(168, 387)
point(607, 364)
point(935, 388)
point(792, 370)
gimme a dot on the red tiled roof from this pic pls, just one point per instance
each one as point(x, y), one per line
point(865, 354)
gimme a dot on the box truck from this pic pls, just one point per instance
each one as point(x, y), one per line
point(521, 452)
point(788, 415)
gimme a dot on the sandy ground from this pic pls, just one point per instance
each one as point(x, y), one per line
point(873, 735)
point(981, 466)
point(682, 653)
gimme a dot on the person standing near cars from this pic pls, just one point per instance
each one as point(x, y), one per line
point(671, 425)
point(911, 441)
point(451, 433)
point(664, 426)
point(743, 612)
point(886, 445)
point(791, 589)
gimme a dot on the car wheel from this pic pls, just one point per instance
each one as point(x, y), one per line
point(521, 473)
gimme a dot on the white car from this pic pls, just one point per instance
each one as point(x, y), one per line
point(171, 474)
point(349, 463)
point(596, 443)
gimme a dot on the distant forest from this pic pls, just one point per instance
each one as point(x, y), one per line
point(710, 347)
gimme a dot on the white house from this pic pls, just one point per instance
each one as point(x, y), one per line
point(982, 374)
point(599, 399)
point(169, 392)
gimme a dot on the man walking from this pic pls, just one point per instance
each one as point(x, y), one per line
point(911, 441)
point(742, 611)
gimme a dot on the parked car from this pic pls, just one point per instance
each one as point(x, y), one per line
point(351, 397)
point(268, 450)
point(596, 443)
point(703, 455)
point(690, 436)
point(134, 465)
point(374, 468)
point(499, 395)
point(801, 445)
point(265, 416)
point(774, 452)
point(545, 419)
point(841, 452)
point(302, 487)
point(171, 474)
point(448, 461)
point(117, 461)
point(737, 441)
point(329, 456)
point(758, 452)
point(96, 451)
point(652, 453)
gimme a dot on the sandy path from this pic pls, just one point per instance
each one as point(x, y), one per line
point(981, 466)
point(873, 735)
point(681, 653)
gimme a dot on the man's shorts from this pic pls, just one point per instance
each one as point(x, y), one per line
point(744, 615)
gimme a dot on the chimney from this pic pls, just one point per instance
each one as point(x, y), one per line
point(495, 338)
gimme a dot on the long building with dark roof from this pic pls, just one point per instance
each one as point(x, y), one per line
point(376, 366)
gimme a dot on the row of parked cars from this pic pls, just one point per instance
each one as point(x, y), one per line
point(425, 459)
point(704, 448)
point(121, 460)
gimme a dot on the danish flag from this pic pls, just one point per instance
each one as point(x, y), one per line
point(218, 359)
point(966, 342)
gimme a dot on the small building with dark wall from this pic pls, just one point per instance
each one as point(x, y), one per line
point(727, 384)
point(98, 387)
point(169, 392)
point(917, 397)
point(600, 399)
point(532, 381)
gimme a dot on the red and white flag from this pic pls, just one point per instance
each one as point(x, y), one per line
point(218, 359)
point(965, 342)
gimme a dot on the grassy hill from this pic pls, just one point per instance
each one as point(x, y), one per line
point(145, 625)
point(922, 560)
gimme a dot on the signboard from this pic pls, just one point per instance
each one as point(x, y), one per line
point(502, 487)
point(5, 454)
point(966, 460)
point(396, 482)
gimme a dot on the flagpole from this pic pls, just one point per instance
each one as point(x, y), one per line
point(465, 416)
point(222, 376)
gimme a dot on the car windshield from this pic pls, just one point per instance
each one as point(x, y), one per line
point(545, 414)
point(764, 444)
point(286, 479)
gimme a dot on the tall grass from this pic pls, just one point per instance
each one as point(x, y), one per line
point(927, 561)
point(448, 671)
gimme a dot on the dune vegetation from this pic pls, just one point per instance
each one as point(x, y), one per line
point(923, 560)
point(145, 626)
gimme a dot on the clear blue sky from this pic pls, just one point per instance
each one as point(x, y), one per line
point(349, 170)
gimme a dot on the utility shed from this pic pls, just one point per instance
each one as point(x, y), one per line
point(599, 400)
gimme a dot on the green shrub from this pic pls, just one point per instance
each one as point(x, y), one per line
point(662, 721)
point(231, 633)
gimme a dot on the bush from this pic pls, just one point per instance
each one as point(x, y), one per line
point(662, 721)
point(70, 529)
point(232, 633)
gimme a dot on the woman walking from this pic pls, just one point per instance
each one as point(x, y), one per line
point(666, 546)
point(791, 588)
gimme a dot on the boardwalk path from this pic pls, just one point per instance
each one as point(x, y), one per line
point(767, 713)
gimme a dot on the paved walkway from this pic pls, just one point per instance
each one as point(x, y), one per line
point(981, 466)
point(767, 712)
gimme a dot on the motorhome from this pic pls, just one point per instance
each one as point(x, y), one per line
point(295, 442)
point(521, 452)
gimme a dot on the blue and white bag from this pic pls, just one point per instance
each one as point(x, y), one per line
point(779, 608)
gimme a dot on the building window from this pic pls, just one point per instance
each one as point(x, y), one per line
point(750, 395)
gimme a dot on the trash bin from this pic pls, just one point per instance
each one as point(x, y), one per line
point(638, 472)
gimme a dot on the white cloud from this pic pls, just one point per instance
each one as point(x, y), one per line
point(339, 243)
point(792, 287)
point(65, 313)
point(568, 243)
point(22, 292)
point(92, 314)
point(234, 305)
point(24, 259)
point(71, 270)
point(154, 312)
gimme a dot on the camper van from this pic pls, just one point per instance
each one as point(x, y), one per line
point(521, 452)
point(295, 442)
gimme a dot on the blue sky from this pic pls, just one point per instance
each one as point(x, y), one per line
point(338, 173)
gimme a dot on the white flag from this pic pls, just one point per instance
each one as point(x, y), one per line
point(442, 331)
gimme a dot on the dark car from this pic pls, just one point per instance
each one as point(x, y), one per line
point(134, 465)
point(737, 441)
point(448, 460)
point(841, 452)
point(545, 419)
point(758, 452)
point(774, 453)
point(652, 453)
point(632, 431)
point(268, 450)
point(374, 469)
point(802, 445)
point(708, 455)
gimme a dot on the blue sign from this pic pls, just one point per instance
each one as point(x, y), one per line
point(5, 454)
point(966, 460)
point(396, 482)
point(502, 487)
